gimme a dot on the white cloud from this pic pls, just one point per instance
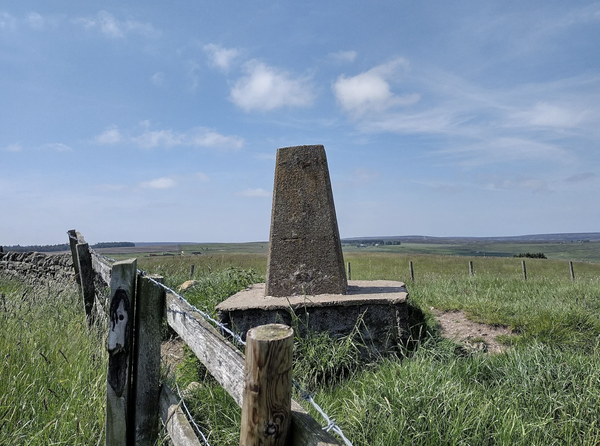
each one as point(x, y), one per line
point(254, 193)
point(35, 20)
point(114, 28)
point(158, 78)
point(157, 138)
point(343, 56)
point(197, 137)
point(159, 183)
point(549, 115)
point(7, 22)
point(267, 88)
point(370, 91)
point(110, 136)
point(498, 182)
point(14, 148)
point(220, 57)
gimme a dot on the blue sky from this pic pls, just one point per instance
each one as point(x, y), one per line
point(160, 121)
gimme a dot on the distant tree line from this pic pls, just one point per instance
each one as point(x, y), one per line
point(64, 247)
point(537, 255)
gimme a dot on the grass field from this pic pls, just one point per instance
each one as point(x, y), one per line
point(543, 390)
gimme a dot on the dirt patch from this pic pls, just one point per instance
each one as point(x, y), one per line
point(172, 353)
point(472, 335)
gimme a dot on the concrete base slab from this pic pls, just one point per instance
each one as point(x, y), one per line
point(380, 305)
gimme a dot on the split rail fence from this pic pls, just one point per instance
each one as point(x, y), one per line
point(135, 396)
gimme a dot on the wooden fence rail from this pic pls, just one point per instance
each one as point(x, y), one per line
point(135, 398)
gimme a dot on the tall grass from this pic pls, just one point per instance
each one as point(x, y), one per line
point(53, 368)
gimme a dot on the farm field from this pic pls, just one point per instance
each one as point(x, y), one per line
point(542, 390)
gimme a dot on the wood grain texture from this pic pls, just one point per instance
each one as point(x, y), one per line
point(86, 276)
point(119, 430)
point(150, 303)
point(177, 425)
point(266, 406)
point(226, 364)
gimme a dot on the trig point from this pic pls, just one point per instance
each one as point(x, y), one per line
point(305, 252)
point(305, 272)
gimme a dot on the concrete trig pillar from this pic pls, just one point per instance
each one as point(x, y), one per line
point(305, 251)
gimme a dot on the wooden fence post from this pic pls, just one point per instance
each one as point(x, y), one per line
point(149, 313)
point(412, 271)
point(266, 407)
point(349, 272)
point(572, 271)
point(73, 240)
point(86, 278)
point(471, 270)
point(524, 269)
point(192, 268)
point(119, 430)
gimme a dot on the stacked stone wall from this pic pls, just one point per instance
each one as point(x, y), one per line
point(36, 267)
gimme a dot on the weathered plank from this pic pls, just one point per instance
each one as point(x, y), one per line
point(73, 245)
point(226, 364)
point(178, 426)
point(86, 278)
point(102, 267)
point(120, 336)
point(150, 304)
point(266, 408)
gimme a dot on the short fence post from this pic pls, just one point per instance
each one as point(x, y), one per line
point(86, 278)
point(412, 271)
point(73, 245)
point(267, 397)
point(471, 270)
point(192, 268)
point(119, 431)
point(572, 271)
point(150, 304)
point(349, 272)
point(524, 269)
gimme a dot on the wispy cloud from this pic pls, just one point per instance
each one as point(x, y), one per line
point(196, 137)
point(16, 147)
point(158, 78)
point(254, 193)
point(109, 136)
point(370, 91)
point(110, 26)
point(56, 147)
point(266, 88)
point(544, 114)
point(343, 56)
point(219, 57)
point(7, 22)
point(581, 177)
point(159, 183)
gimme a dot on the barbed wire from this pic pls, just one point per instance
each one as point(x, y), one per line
point(182, 403)
point(331, 426)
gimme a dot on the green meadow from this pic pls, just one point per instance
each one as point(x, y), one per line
point(542, 390)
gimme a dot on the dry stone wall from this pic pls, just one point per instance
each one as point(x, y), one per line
point(35, 267)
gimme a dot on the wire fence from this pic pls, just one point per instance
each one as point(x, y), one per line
point(331, 425)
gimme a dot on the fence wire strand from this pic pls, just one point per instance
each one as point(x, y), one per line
point(331, 425)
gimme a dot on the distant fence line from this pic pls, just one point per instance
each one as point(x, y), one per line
point(135, 398)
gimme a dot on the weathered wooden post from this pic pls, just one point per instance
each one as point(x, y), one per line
point(86, 278)
point(524, 269)
point(192, 268)
point(471, 270)
point(73, 240)
point(412, 271)
point(150, 304)
point(572, 271)
point(119, 431)
point(349, 272)
point(266, 407)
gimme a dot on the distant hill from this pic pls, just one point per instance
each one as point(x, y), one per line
point(580, 237)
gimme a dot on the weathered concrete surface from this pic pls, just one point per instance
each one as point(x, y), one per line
point(305, 252)
point(382, 305)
